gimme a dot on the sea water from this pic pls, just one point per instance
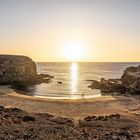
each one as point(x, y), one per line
point(75, 78)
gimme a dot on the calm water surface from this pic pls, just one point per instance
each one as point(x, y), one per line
point(75, 78)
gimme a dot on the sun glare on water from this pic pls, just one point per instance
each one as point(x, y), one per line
point(74, 77)
point(74, 51)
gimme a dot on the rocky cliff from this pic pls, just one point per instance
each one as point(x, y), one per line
point(131, 79)
point(129, 83)
point(17, 69)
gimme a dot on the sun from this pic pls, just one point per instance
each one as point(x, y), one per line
point(74, 51)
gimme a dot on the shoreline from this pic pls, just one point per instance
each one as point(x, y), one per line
point(105, 117)
point(74, 108)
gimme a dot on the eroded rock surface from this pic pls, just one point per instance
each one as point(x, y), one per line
point(18, 124)
point(14, 69)
point(95, 84)
point(20, 70)
point(129, 83)
point(112, 85)
point(130, 75)
point(131, 79)
point(109, 86)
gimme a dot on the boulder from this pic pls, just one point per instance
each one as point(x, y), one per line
point(117, 86)
point(17, 69)
point(130, 75)
point(131, 79)
point(105, 86)
point(129, 83)
point(95, 85)
point(59, 82)
point(137, 86)
point(108, 86)
point(44, 78)
point(112, 85)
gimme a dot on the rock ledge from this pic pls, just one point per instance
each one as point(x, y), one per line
point(129, 83)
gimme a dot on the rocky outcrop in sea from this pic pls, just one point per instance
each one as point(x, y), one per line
point(129, 83)
point(131, 79)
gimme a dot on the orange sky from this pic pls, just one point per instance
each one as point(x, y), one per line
point(50, 30)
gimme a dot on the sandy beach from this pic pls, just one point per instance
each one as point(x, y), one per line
point(76, 109)
point(69, 70)
point(106, 117)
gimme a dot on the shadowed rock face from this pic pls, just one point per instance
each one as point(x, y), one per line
point(130, 75)
point(131, 79)
point(129, 83)
point(17, 69)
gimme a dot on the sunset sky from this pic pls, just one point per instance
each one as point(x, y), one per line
point(71, 30)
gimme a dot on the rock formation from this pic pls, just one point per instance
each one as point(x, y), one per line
point(131, 79)
point(129, 83)
point(112, 85)
point(17, 69)
point(95, 84)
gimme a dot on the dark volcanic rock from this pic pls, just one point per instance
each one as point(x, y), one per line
point(44, 78)
point(1, 108)
point(112, 85)
point(116, 85)
point(95, 85)
point(59, 82)
point(102, 118)
point(128, 84)
point(131, 79)
point(108, 86)
point(62, 120)
point(20, 71)
point(105, 86)
point(17, 69)
point(28, 118)
point(136, 86)
point(130, 75)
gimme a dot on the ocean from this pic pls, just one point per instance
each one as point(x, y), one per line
point(75, 78)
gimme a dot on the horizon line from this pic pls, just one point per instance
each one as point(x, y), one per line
point(87, 62)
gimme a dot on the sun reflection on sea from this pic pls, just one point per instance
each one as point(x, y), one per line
point(74, 77)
